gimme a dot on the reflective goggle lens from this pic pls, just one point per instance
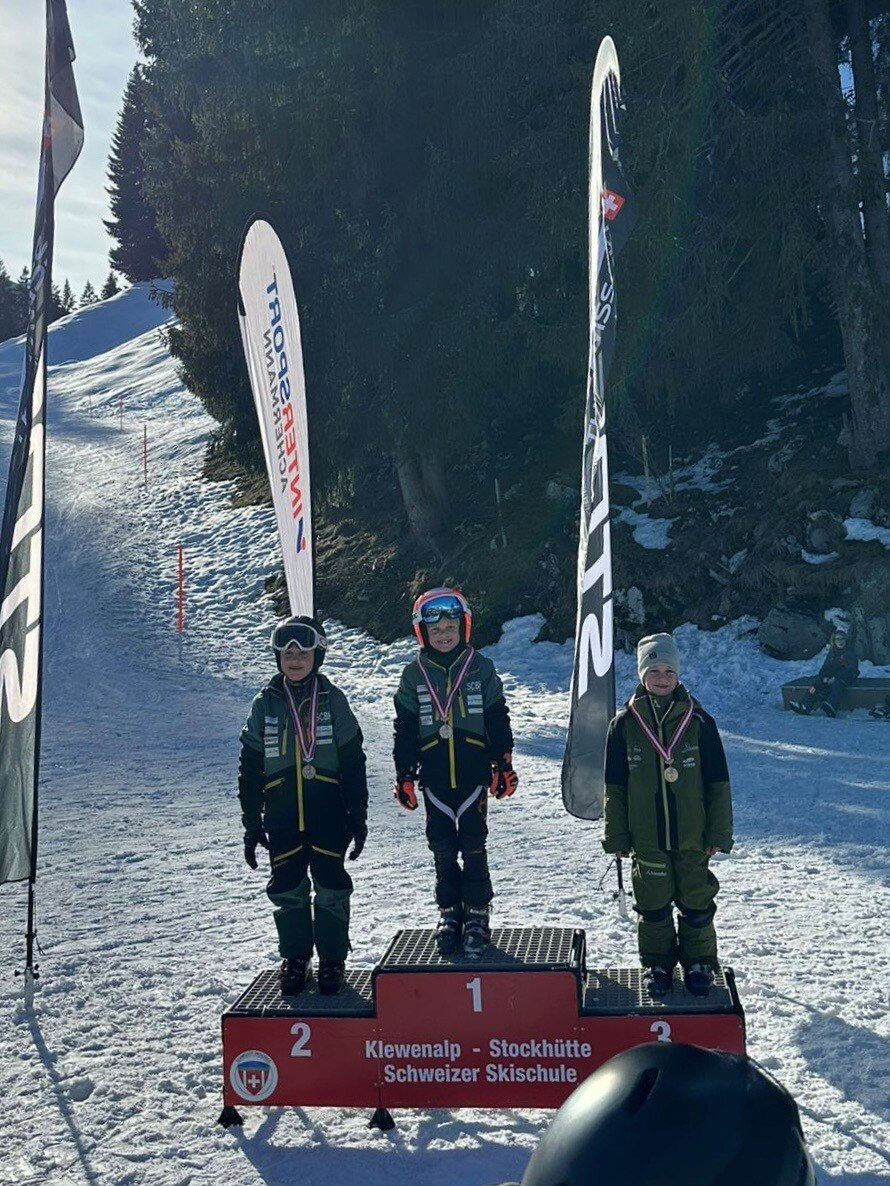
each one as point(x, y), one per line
point(441, 607)
point(298, 635)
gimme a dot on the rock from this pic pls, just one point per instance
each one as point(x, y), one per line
point(825, 531)
point(863, 504)
point(788, 634)
point(872, 636)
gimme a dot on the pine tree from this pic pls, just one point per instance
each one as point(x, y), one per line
point(88, 296)
point(141, 252)
point(66, 301)
point(10, 323)
point(23, 288)
point(110, 288)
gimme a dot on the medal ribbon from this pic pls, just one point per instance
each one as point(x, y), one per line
point(667, 754)
point(307, 738)
point(444, 709)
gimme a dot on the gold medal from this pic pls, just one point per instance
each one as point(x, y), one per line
point(309, 770)
point(671, 773)
point(446, 731)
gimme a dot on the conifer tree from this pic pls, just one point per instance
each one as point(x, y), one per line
point(10, 323)
point(141, 252)
point(88, 296)
point(110, 288)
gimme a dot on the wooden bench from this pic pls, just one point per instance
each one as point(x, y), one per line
point(867, 692)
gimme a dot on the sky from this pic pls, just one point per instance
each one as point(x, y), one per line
point(106, 53)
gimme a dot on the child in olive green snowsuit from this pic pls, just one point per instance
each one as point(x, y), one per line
point(669, 806)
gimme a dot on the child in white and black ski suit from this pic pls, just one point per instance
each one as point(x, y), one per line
point(458, 756)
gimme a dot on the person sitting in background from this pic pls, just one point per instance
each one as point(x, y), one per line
point(837, 673)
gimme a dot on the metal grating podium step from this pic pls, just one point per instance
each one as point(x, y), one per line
point(620, 991)
point(535, 949)
point(264, 999)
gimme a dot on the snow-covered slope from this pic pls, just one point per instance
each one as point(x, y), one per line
point(151, 924)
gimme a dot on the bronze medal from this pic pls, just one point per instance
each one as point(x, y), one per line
point(446, 731)
point(309, 770)
point(671, 773)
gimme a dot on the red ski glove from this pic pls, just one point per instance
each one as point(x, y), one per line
point(504, 779)
point(404, 791)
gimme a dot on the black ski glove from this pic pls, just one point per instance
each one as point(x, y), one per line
point(359, 836)
point(254, 837)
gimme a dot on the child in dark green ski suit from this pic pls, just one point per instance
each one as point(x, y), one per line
point(669, 808)
point(304, 796)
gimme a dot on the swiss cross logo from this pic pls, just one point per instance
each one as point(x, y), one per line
point(253, 1075)
point(612, 204)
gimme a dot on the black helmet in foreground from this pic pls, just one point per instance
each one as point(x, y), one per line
point(672, 1115)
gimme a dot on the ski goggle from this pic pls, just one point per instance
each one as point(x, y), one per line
point(299, 635)
point(447, 606)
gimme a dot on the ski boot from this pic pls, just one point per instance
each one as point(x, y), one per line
point(477, 932)
point(448, 930)
point(699, 979)
point(799, 707)
point(292, 975)
point(658, 981)
point(829, 709)
point(880, 712)
point(331, 976)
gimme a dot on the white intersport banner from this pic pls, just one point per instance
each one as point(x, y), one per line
point(270, 333)
point(610, 218)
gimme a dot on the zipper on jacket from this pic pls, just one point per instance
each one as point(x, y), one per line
point(451, 766)
point(664, 795)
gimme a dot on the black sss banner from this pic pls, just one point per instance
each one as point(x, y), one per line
point(611, 218)
point(21, 542)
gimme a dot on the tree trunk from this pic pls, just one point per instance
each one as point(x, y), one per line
point(856, 295)
point(872, 182)
point(423, 515)
point(436, 481)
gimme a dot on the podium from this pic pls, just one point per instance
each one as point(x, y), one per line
point(519, 1028)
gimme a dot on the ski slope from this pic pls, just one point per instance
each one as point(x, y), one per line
point(150, 923)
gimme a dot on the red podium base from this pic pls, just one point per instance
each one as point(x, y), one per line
point(520, 1028)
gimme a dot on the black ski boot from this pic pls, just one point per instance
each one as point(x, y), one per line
point(448, 930)
point(828, 708)
point(799, 707)
point(292, 975)
point(699, 979)
point(331, 975)
point(658, 981)
point(477, 932)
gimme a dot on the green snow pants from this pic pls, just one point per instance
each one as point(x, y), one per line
point(324, 923)
point(662, 880)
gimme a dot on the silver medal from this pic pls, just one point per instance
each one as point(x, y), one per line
point(446, 731)
point(309, 770)
point(671, 773)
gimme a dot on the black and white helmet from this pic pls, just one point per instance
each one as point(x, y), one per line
point(303, 633)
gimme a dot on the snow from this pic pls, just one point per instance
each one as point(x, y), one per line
point(864, 529)
point(818, 557)
point(648, 532)
point(151, 924)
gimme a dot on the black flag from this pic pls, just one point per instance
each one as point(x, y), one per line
point(611, 217)
point(21, 542)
